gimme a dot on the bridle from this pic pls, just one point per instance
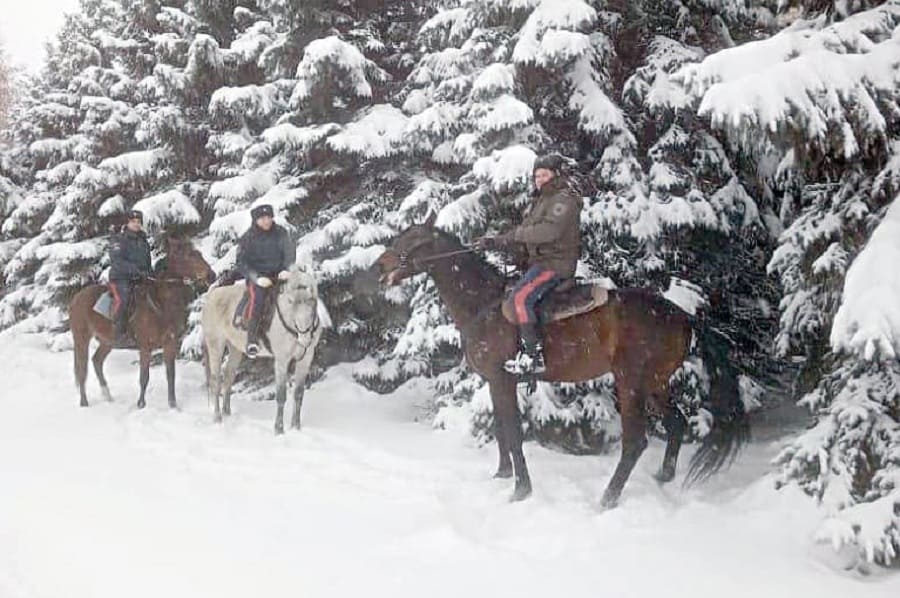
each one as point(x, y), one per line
point(404, 259)
point(298, 332)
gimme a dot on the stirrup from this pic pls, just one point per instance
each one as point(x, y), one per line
point(525, 364)
point(252, 350)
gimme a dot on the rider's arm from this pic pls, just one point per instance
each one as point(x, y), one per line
point(243, 267)
point(118, 257)
point(561, 217)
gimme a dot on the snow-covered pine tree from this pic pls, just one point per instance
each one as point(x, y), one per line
point(117, 126)
point(825, 142)
point(6, 87)
point(314, 137)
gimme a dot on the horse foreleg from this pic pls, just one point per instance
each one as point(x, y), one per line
point(98, 359)
point(280, 394)
point(674, 424)
point(506, 410)
point(145, 376)
point(504, 466)
point(169, 352)
point(81, 359)
point(235, 356)
point(634, 440)
point(301, 371)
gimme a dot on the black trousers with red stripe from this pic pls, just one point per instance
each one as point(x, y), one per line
point(257, 297)
point(531, 288)
point(121, 291)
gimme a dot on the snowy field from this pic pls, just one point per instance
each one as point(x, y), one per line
point(114, 502)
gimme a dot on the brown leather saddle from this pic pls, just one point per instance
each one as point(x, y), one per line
point(566, 300)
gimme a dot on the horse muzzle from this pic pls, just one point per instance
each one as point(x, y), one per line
point(391, 268)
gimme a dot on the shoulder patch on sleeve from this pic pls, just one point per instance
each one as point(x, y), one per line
point(559, 208)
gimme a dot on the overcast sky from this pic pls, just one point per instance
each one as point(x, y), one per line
point(26, 24)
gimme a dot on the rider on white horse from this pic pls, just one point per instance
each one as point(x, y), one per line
point(264, 253)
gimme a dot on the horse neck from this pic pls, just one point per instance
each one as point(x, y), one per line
point(172, 299)
point(467, 286)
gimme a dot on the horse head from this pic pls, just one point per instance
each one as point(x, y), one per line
point(300, 296)
point(409, 251)
point(184, 261)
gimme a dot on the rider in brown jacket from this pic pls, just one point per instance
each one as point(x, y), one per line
point(550, 233)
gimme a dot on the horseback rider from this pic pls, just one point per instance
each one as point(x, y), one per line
point(130, 263)
point(550, 235)
point(265, 252)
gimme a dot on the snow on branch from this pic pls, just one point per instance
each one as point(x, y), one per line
point(167, 209)
point(253, 101)
point(868, 320)
point(822, 95)
point(332, 53)
point(130, 166)
point(852, 35)
point(378, 134)
point(506, 170)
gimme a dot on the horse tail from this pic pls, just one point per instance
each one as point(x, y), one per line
point(731, 427)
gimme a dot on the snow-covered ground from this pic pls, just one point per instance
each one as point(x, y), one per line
point(111, 502)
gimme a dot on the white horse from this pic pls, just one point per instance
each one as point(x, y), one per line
point(293, 335)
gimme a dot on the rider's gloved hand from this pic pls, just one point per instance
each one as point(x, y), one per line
point(264, 282)
point(283, 275)
point(487, 242)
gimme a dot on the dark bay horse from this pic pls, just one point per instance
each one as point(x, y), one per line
point(158, 318)
point(637, 335)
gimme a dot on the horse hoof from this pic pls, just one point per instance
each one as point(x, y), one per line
point(141, 404)
point(503, 473)
point(520, 493)
point(663, 476)
point(279, 430)
point(83, 403)
point(608, 502)
point(295, 426)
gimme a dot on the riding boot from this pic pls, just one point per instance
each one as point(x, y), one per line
point(530, 358)
point(123, 340)
point(253, 338)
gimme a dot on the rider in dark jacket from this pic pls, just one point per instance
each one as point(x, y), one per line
point(129, 255)
point(551, 237)
point(264, 253)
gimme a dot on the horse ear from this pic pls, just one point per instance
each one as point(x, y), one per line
point(430, 219)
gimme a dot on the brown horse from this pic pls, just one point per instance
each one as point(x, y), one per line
point(158, 318)
point(637, 335)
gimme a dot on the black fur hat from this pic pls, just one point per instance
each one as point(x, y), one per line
point(553, 162)
point(135, 215)
point(262, 210)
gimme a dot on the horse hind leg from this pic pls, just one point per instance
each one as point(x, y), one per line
point(169, 352)
point(231, 368)
point(81, 342)
point(214, 368)
point(99, 357)
point(634, 441)
point(145, 377)
point(674, 424)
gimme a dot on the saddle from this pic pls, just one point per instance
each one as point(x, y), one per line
point(104, 305)
point(567, 300)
